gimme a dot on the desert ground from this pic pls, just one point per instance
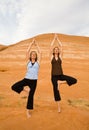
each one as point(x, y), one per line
point(75, 99)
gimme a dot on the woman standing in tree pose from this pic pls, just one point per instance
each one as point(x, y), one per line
point(57, 76)
point(31, 76)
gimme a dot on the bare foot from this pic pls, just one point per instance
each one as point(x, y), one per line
point(26, 90)
point(61, 82)
point(59, 110)
point(28, 114)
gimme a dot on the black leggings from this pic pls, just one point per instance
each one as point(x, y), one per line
point(70, 80)
point(19, 86)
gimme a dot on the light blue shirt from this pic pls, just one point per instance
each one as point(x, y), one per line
point(32, 71)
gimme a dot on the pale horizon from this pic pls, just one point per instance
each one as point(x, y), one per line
point(20, 20)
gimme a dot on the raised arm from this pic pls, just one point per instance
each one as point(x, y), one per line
point(51, 46)
point(33, 43)
point(60, 46)
point(39, 51)
point(28, 49)
point(59, 43)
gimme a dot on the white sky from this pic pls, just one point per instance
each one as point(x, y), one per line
point(22, 19)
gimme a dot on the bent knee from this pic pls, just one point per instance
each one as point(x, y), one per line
point(75, 80)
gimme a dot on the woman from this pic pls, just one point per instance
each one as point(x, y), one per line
point(57, 76)
point(31, 76)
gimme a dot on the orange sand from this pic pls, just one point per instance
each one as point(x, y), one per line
point(45, 115)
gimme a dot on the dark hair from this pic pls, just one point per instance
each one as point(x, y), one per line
point(31, 54)
point(53, 51)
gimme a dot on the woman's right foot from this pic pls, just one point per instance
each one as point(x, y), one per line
point(27, 90)
point(28, 114)
point(59, 110)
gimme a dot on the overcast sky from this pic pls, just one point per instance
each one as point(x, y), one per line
point(22, 19)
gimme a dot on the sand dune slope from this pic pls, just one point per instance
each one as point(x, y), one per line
point(75, 99)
